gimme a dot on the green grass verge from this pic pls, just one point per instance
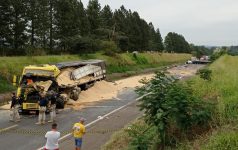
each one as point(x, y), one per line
point(222, 91)
point(118, 141)
point(5, 86)
point(122, 139)
point(120, 63)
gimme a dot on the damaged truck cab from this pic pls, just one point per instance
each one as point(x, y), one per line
point(34, 81)
point(62, 81)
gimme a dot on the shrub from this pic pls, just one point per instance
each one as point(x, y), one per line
point(139, 59)
point(205, 74)
point(170, 106)
point(109, 47)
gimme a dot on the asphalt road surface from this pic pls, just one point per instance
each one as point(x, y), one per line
point(100, 132)
point(25, 135)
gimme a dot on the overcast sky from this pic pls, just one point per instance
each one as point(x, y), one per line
point(202, 22)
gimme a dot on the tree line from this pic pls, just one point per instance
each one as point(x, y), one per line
point(38, 27)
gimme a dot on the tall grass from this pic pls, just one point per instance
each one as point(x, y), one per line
point(224, 139)
point(222, 91)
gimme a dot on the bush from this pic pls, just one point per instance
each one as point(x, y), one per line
point(171, 108)
point(139, 59)
point(109, 48)
point(205, 74)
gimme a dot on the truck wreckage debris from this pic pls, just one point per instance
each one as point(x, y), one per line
point(64, 81)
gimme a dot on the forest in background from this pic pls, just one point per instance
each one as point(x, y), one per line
point(36, 27)
point(40, 27)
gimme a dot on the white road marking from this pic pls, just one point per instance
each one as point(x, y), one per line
point(116, 98)
point(8, 128)
point(95, 121)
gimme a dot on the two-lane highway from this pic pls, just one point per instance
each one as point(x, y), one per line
point(25, 135)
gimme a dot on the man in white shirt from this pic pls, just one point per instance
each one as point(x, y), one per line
point(52, 138)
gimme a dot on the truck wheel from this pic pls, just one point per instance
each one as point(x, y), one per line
point(85, 86)
point(60, 103)
point(75, 93)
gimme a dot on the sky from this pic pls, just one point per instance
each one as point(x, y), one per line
point(201, 22)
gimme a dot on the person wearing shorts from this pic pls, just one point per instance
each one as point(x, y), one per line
point(78, 132)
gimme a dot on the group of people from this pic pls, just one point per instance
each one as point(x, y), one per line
point(43, 103)
point(53, 135)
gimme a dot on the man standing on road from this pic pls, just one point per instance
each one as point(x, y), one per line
point(78, 132)
point(52, 138)
point(42, 108)
point(14, 107)
point(52, 108)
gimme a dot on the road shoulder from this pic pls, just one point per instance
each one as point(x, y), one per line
point(100, 132)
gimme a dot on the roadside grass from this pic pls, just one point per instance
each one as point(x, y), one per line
point(221, 91)
point(118, 141)
point(222, 139)
point(5, 86)
point(121, 139)
point(121, 63)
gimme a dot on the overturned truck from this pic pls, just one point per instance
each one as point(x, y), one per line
point(62, 81)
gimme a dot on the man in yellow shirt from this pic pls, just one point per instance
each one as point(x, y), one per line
point(78, 132)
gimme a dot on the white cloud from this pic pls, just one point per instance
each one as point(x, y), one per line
point(208, 22)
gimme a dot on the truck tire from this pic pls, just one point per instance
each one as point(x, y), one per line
point(85, 86)
point(75, 93)
point(60, 103)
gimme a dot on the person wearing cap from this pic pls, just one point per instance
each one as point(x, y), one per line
point(14, 107)
point(42, 109)
point(78, 132)
point(52, 138)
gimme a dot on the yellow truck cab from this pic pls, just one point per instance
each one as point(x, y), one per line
point(30, 75)
point(63, 80)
